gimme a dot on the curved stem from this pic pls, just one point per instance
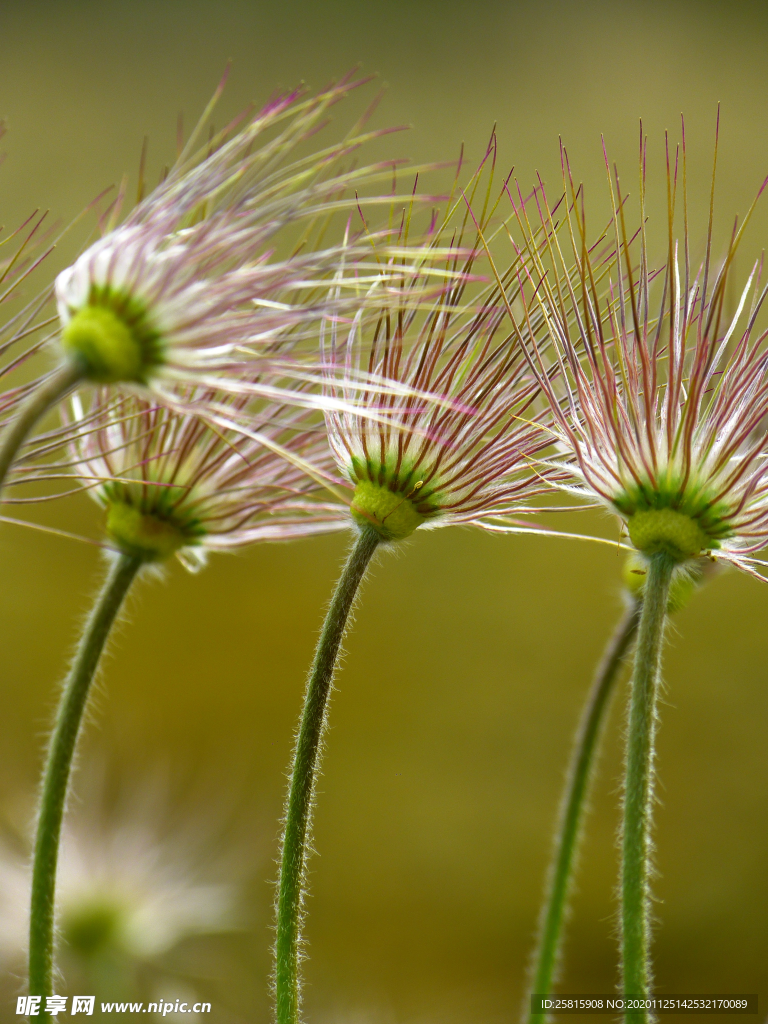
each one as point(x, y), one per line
point(575, 796)
point(638, 787)
point(292, 885)
point(58, 767)
point(16, 431)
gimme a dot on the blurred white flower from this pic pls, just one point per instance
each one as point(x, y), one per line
point(134, 880)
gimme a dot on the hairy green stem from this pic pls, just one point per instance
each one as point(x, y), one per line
point(15, 433)
point(58, 767)
point(291, 888)
point(638, 786)
point(572, 807)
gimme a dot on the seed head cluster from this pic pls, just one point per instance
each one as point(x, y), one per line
point(660, 408)
point(220, 274)
point(171, 484)
point(460, 442)
point(268, 395)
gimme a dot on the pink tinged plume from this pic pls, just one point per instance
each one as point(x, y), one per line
point(190, 288)
point(23, 336)
point(661, 406)
point(462, 443)
point(170, 484)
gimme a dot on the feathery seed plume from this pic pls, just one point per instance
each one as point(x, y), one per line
point(461, 443)
point(171, 484)
point(204, 279)
point(661, 413)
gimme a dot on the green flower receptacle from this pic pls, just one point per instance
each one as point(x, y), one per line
point(655, 530)
point(145, 536)
point(392, 514)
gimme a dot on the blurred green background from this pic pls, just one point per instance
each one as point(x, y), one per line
point(471, 654)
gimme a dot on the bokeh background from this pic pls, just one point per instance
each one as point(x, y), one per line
point(471, 654)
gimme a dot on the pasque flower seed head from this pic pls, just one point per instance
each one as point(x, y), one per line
point(171, 484)
point(661, 406)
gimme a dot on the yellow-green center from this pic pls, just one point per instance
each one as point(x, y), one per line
point(664, 529)
point(143, 535)
point(113, 338)
point(391, 513)
point(92, 926)
point(105, 344)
